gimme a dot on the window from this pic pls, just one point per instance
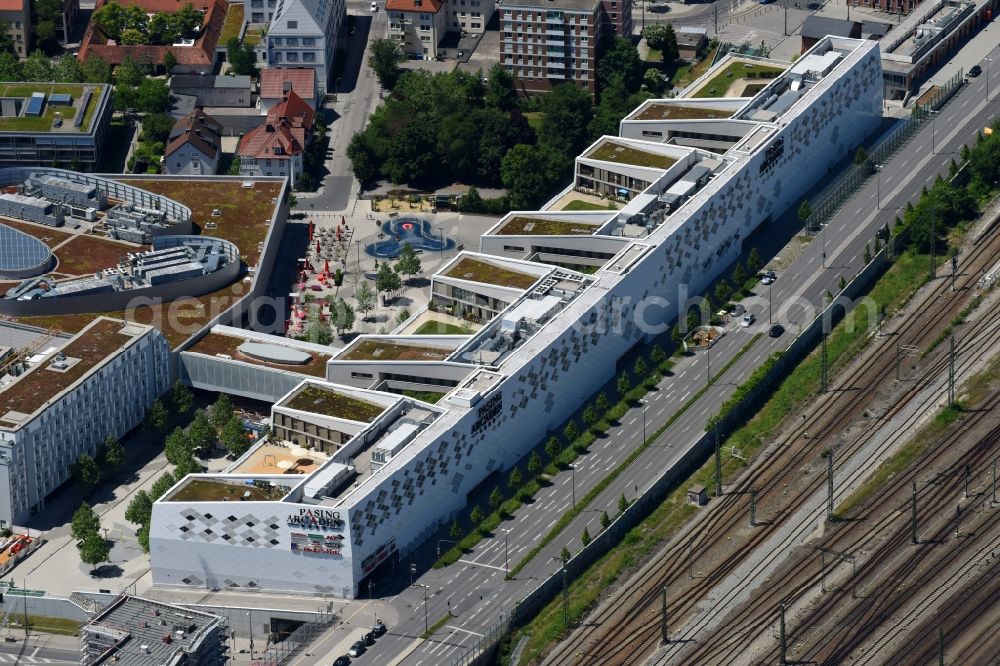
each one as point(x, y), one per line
point(292, 25)
point(476, 26)
point(425, 17)
point(293, 57)
point(276, 41)
point(258, 17)
point(292, 41)
point(309, 57)
point(308, 41)
point(424, 26)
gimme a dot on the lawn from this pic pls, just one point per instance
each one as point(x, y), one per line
point(334, 404)
point(535, 226)
point(234, 22)
point(487, 273)
point(685, 74)
point(253, 37)
point(534, 119)
point(43, 123)
point(84, 255)
point(44, 624)
point(580, 204)
point(424, 396)
point(441, 328)
point(611, 151)
point(718, 85)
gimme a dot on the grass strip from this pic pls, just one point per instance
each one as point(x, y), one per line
point(434, 627)
point(46, 624)
point(591, 495)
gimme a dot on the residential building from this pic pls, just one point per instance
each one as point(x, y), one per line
point(79, 116)
point(468, 17)
point(274, 83)
point(194, 146)
point(67, 400)
point(357, 476)
point(134, 630)
point(210, 90)
point(816, 28)
point(16, 14)
point(192, 56)
point(304, 33)
point(418, 25)
point(547, 43)
point(276, 147)
point(260, 11)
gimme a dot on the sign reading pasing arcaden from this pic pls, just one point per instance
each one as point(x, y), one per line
point(316, 519)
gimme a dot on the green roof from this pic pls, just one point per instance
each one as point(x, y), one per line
point(678, 112)
point(488, 273)
point(217, 490)
point(612, 151)
point(719, 84)
point(323, 401)
point(384, 350)
point(43, 123)
point(533, 226)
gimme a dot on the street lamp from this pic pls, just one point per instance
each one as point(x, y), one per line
point(572, 470)
point(878, 186)
point(441, 233)
point(769, 306)
point(934, 115)
point(506, 562)
point(643, 403)
point(250, 615)
point(426, 625)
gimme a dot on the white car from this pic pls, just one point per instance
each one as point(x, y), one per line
point(374, 6)
point(747, 320)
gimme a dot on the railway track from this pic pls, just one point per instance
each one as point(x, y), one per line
point(599, 641)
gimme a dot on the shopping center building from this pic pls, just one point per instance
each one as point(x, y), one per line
point(356, 473)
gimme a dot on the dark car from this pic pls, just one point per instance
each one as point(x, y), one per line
point(379, 628)
point(357, 649)
point(776, 330)
point(976, 70)
point(369, 639)
point(342, 661)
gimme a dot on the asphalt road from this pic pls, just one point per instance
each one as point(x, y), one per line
point(474, 590)
point(11, 653)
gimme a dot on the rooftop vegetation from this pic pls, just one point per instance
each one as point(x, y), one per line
point(213, 344)
point(612, 151)
point(678, 112)
point(43, 123)
point(489, 273)
point(131, 25)
point(217, 490)
point(534, 226)
point(383, 350)
point(719, 84)
point(332, 403)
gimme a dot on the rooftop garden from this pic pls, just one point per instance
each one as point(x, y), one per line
point(383, 350)
point(234, 22)
point(580, 204)
point(43, 123)
point(337, 405)
point(534, 226)
point(253, 36)
point(489, 273)
point(434, 327)
point(131, 26)
point(719, 84)
point(84, 255)
point(37, 387)
point(219, 490)
point(612, 151)
point(678, 112)
point(213, 344)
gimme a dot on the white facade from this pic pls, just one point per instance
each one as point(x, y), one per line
point(304, 33)
point(468, 16)
point(418, 30)
point(189, 161)
point(289, 166)
point(512, 398)
point(38, 449)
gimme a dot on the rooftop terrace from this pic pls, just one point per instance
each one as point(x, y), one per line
point(664, 111)
point(476, 270)
point(209, 489)
point(386, 350)
point(620, 153)
point(318, 400)
point(521, 225)
point(271, 458)
point(724, 83)
point(35, 388)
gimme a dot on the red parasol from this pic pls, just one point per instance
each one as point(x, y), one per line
point(326, 266)
point(317, 247)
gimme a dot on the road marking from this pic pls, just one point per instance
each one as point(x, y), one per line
point(468, 631)
point(859, 210)
point(479, 564)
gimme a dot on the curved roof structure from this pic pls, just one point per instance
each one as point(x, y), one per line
point(274, 353)
point(22, 255)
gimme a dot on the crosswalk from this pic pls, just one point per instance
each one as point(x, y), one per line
point(27, 659)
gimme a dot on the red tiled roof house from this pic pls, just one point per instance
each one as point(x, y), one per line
point(276, 148)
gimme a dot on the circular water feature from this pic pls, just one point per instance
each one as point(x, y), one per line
point(418, 233)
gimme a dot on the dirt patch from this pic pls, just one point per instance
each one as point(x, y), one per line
point(88, 254)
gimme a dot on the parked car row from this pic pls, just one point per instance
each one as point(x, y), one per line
point(361, 646)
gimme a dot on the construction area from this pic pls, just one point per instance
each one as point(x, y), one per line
point(865, 532)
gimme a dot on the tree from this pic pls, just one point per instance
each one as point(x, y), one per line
point(140, 509)
point(37, 67)
point(152, 96)
point(564, 554)
point(94, 549)
point(181, 396)
point(234, 437)
point(860, 157)
point(86, 471)
point(605, 520)
point(200, 432)
point(661, 37)
point(85, 521)
point(570, 432)
point(6, 41)
point(156, 127)
point(403, 315)
point(622, 504)
point(156, 417)
point(458, 139)
point(515, 481)
point(553, 448)
point(222, 411)
point(96, 70)
point(384, 57)
point(500, 90)
point(496, 499)
point(585, 537)
point(621, 58)
point(387, 280)
point(318, 331)
point(723, 291)
point(129, 73)
point(534, 464)
point(567, 111)
point(234, 166)
point(364, 298)
point(532, 173)
point(456, 531)
point(739, 277)
point(113, 454)
point(602, 404)
point(640, 368)
point(177, 447)
point(652, 78)
point(476, 516)
point(658, 355)
point(68, 70)
point(589, 416)
point(133, 37)
point(241, 57)
point(10, 67)
point(408, 263)
point(187, 466)
point(169, 62)
point(162, 484)
point(805, 211)
point(754, 262)
point(624, 384)
point(341, 315)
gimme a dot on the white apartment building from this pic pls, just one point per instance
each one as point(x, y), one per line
point(421, 25)
point(66, 400)
point(304, 33)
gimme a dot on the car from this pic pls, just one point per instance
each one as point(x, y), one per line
point(737, 310)
point(342, 661)
point(976, 70)
point(747, 320)
point(769, 278)
point(776, 330)
point(356, 650)
point(374, 6)
point(379, 628)
point(369, 639)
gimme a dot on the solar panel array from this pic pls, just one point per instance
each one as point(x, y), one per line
point(19, 251)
